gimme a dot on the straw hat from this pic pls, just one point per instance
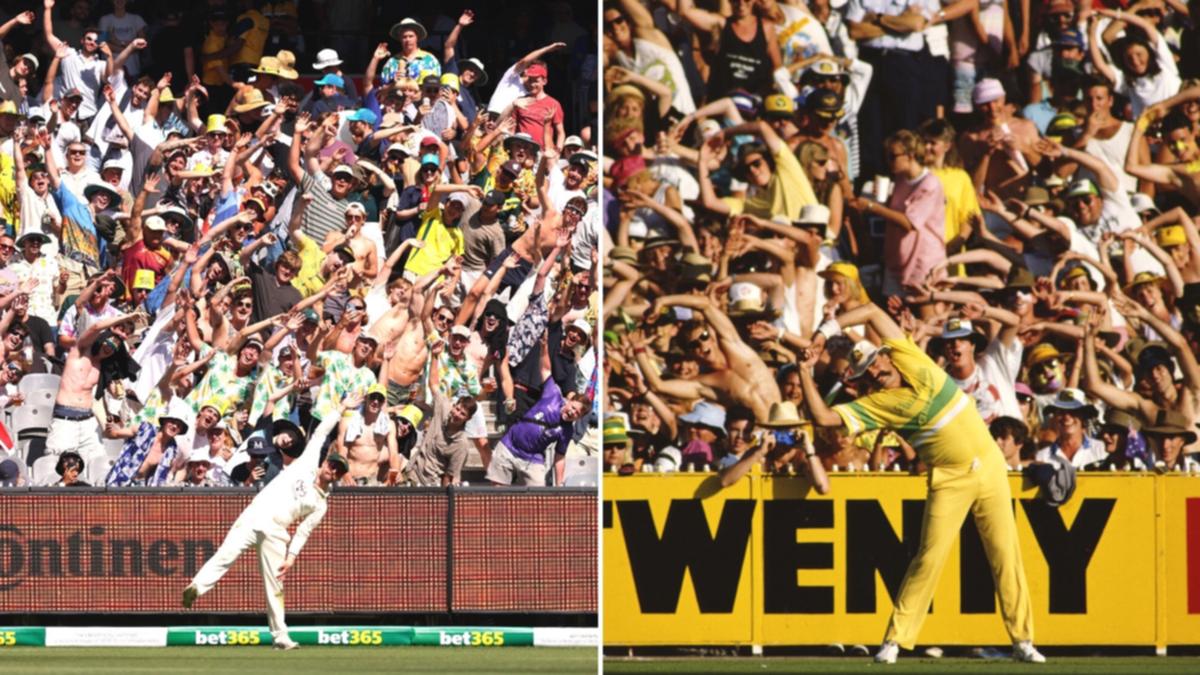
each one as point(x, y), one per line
point(783, 415)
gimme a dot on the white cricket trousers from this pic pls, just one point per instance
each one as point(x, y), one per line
point(272, 550)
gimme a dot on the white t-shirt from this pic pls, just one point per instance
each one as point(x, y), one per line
point(1146, 91)
point(86, 75)
point(125, 29)
point(508, 89)
point(1112, 151)
point(801, 35)
point(991, 384)
point(660, 64)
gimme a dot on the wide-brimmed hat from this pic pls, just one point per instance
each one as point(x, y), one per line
point(522, 137)
point(746, 301)
point(1072, 400)
point(286, 426)
point(477, 66)
point(408, 23)
point(861, 358)
point(411, 414)
point(180, 411)
point(326, 58)
point(813, 215)
point(783, 415)
point(100, 186)
point(174, 211)
point(1114, 417)
point(41, 239)
point(1143, 278)
point(705, 414)
point(624, 254)
point(267, 65)
point(1171, 423)
point(249, 99)
point(287, 64)
point(956, 328)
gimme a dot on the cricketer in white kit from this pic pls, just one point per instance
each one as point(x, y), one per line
point(299, 493)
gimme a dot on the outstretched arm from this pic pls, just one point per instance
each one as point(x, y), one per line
point(48, 25)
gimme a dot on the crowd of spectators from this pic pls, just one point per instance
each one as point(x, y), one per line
point(1017, 185)
point(214, 231)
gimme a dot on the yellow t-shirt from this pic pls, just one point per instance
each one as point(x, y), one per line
point(308, 280)
point(787, 193)
point(211, 67)
point(961, 202)
point(9, 206)
point(254, 39)
point(931, 412)
point(441, 242)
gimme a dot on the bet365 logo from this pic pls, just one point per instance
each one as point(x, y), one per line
point(472, 638)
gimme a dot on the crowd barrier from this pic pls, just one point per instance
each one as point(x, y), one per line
point(768, 562)
point(378, 550)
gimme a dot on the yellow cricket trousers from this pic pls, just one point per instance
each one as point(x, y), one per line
point(982, 487)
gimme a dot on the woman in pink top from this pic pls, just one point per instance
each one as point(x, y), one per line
point(915, 215)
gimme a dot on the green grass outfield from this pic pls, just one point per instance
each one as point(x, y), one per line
point(1142, 665)
point(325, 660)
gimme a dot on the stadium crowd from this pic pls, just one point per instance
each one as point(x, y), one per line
point(205, 252)
point(1016, 185)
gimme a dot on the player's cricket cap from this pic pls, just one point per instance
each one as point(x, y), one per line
point(337, 460)
point(861, 358)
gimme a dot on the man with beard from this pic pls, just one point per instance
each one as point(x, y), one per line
point(913, 395)
point(82, 69)
point(74, 426)
point(734, 374)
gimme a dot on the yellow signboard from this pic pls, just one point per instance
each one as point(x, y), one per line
point(768, 562)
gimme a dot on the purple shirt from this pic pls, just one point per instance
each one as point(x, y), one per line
point(542, 425)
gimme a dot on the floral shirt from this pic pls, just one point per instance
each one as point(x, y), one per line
point(41, 299)
point(341, 378)
point(273, 379)
point(221, 382)
point(124, 470)
point(457, 377)
point(421, 63)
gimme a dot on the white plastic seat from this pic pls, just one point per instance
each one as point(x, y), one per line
point(32, 418)
point(39, 388)
point(582, 471)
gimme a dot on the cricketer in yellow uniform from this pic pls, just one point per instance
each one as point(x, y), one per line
point(966, 472)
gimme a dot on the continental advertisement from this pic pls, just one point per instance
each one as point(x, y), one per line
point(378, 551)
point(768, 562)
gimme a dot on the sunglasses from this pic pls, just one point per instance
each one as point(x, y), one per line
point(248, 304)
point(754, 163)
point(7, 247)
point(443, 318)
point(355, 218)
point(700, 340)
point(76, 152)
point(356, 308)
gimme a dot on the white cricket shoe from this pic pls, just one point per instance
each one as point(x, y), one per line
point(1025, 652)
point(887, 653)
point(286, 645)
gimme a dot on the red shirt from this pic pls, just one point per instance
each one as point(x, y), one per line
point(529, 118)
point(138, 257)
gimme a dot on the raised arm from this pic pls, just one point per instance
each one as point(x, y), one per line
point(48, 25)
point(24, 19)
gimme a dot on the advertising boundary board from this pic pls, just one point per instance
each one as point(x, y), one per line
point(768, 562)
point(340, 636)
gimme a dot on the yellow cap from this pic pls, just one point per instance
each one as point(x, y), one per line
point(166, 96)
point(1144, 278)
point(413, 414)
point(1170, 235)
point(847, 270)
point(377, 389)
point(778, 105)
point(144, 280)
point(450, 80)
point(216, 123)
point(8, 108)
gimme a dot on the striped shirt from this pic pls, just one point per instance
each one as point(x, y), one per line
point(931, 412)
point(325, 214)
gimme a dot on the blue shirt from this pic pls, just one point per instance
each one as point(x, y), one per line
point(79, 239)
point(124, 470)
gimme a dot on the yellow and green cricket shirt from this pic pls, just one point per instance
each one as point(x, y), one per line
point(931, 413)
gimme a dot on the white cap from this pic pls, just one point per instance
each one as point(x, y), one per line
point(573, 140)
point(814, 214)
point(114, 163)
point(460, 198)
point(1142, 203)
point(154, 224)
point(744, 290)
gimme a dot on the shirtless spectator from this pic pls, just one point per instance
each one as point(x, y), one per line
point(367, 438)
